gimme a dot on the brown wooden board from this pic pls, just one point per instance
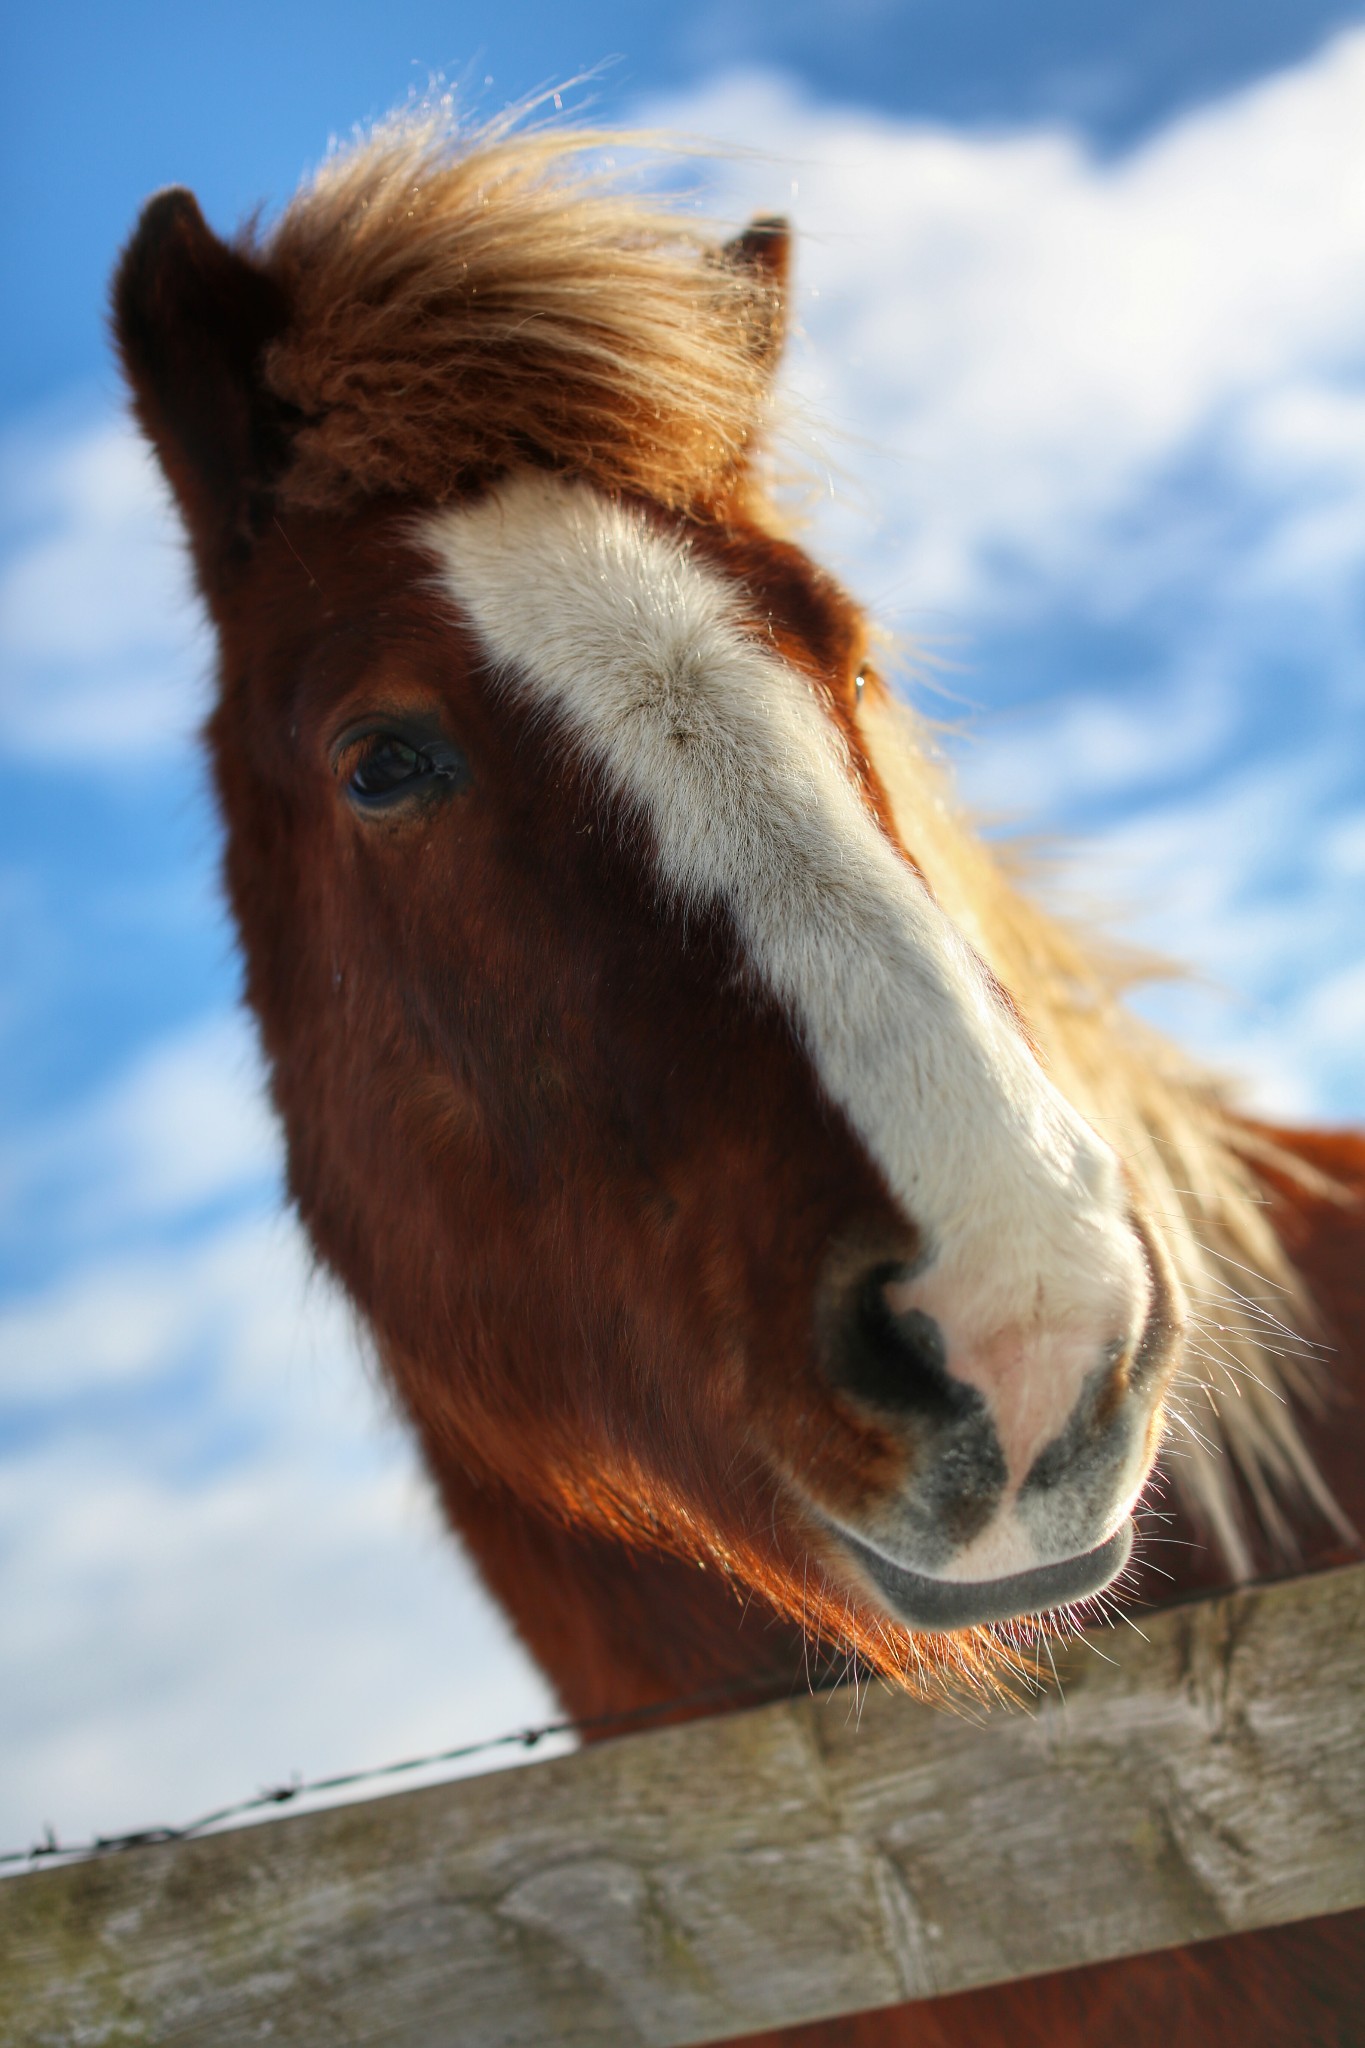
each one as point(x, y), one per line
point(781, 1864)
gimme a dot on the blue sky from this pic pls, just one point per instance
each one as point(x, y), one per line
point(237, 97)
point(1081, 297)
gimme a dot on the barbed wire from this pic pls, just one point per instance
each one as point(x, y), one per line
point(833, 1677)
point(751, 1690)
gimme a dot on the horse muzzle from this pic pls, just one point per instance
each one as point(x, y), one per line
point(1022, 1457)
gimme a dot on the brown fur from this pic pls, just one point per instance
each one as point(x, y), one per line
point(565, 1156)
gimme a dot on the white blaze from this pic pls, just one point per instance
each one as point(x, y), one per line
point(634, 651)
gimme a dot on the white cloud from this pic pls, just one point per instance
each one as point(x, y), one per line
point(242, 1581)
point(1306, 442)
point(104, 505)
point(1031, 765)
point(1038, 335)
point(174, 1646)
point(1343, 849)
point(235, 1307)
point(103, 651)
point(1229, 882)
point(184, 1125)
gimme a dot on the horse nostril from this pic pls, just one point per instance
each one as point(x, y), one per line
point(896, 1359)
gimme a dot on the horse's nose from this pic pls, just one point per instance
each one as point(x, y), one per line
point(894, 1359)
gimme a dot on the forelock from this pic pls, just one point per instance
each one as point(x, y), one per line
point(462, 306)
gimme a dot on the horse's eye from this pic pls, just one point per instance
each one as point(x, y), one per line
point(382, 770)
point(389, 765)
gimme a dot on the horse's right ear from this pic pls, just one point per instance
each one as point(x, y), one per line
point(762, 255)
point(192, 318)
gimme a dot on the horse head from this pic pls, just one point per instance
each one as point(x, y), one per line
point(645, 1082)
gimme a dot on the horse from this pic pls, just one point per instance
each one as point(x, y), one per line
point(788, 1249)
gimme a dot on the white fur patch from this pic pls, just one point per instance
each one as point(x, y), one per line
point(633, 649)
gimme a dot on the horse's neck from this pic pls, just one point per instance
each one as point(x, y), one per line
point(617, 1629)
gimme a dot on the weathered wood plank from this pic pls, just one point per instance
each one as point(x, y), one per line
point(775, 1865)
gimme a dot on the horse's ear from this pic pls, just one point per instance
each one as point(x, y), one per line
point(192, 318)
point(762, 254)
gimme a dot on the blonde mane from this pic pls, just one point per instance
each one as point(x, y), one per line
point(464, 308)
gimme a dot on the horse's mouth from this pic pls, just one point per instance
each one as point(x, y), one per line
point(930, 1603)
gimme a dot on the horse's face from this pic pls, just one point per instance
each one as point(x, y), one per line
point(693, 1172)
point(685, 1160)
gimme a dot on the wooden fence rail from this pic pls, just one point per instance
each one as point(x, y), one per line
point(780, 1864)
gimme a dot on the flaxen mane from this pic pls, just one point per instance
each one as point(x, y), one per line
point(464, 307)
point(461, 310)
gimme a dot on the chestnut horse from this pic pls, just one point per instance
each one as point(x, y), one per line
point(785, 1245)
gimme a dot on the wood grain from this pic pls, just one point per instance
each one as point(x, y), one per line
point(771, 1866)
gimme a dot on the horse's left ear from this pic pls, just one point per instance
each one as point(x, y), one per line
point(192, 319)
point(762, 254)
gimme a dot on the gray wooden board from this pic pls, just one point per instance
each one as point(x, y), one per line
point(770, 1866)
